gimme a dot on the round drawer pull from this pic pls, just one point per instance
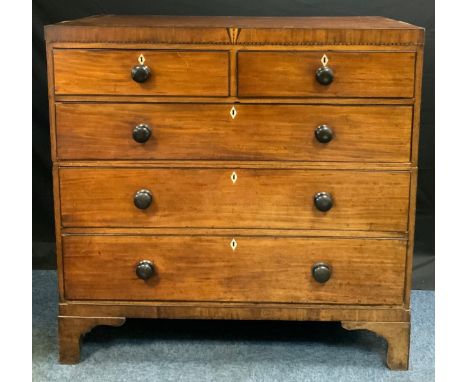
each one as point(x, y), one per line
point(140, 73)
point(323, 134)
point(145, 269)
point(324, 75)
point(323, 201)
point(143, 199)
point(141, 133)
point(321, 272)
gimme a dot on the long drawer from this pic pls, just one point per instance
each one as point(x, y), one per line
point(356, 74)
point(268, 269)
point(234, 198)
point(173, 73)
point(258, 132)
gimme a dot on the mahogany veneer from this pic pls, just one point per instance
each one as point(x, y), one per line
point(235, 168)
point(174, 73)
point(192, 268)
point(207, 198)
point(206, 131)
point(358, 74)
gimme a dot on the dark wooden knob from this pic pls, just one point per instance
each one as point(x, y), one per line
point(143, 199)
point(141, 133)
point(323, 201)
point(321, 272)
point(140, 73)
point(145, 269)
point(323, 134)
point(324, 75)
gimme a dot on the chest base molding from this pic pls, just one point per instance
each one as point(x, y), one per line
point(391, 323)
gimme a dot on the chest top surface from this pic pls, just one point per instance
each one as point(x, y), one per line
point(353, 30)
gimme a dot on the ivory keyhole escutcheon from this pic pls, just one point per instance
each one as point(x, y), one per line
point(324, 60)
point(234, 177)
point(233, 112)
point(233, 244)
point(141, 59)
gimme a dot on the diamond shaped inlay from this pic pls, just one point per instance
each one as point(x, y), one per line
point(234, 177)
point(324, 60)
point(233, 244)
point(233, 112)
point(141, 59)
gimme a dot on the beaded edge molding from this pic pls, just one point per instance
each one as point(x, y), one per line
point(243, 43)
point(233, 34)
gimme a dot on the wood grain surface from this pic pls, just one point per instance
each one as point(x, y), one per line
point(357, 74)
point(351, 30)
point(258, 199)
point(235, 310)
point(258, 132)
point(219, 164)
point(173, 73)
point(264, 269)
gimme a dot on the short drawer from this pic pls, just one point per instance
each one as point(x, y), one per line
point(173, 73)
point(258, 132)
point(234, 198)
point(259, 269)
point(355, 74)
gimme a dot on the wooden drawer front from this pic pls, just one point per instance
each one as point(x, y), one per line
point(264, 269)
point(259, 132)
point(357, 74)
point(103, 197)
point(173, 73)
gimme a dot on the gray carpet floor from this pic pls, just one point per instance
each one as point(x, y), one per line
point(191, 350)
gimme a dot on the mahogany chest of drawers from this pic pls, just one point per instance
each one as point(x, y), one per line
point(235, 168)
